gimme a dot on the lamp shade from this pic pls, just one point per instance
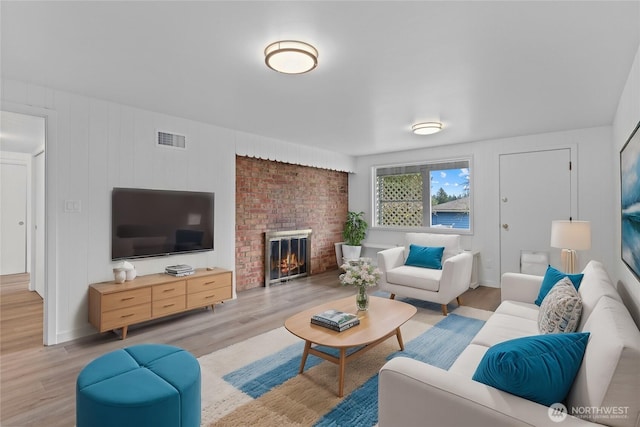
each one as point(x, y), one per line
point(574, 235)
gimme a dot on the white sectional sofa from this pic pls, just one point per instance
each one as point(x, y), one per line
point(605, 391)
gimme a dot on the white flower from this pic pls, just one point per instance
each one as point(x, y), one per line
point(360, 273)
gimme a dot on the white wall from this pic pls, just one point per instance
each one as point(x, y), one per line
point(595, 190)
point(626, 119)
point(101, 145)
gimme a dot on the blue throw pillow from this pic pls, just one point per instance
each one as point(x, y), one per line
point(425, 256)
point(540, 368)
point(553, 276)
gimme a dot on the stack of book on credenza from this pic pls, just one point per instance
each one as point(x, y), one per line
point(179, 270)
point(336, 320)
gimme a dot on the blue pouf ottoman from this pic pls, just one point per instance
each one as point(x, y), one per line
point(144, 385)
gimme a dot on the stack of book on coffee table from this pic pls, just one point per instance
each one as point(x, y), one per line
point(335, 320)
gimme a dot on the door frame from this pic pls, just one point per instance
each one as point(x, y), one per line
point(49, 326)
point(573, 177)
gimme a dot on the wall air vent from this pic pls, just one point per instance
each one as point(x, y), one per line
point(166, 139)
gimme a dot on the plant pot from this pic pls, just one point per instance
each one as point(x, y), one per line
point(338, 247)
point(351, 252)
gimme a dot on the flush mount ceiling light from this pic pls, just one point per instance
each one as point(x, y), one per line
point(291, 57)
point(426, 128)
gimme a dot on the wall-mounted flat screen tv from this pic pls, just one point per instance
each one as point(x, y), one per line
point(146, 223)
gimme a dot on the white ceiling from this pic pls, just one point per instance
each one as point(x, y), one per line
point(485, 69)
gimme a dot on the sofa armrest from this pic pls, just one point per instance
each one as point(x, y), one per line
point(412, 393)
point(456, 275)
point(390, 258)
point(520, 287)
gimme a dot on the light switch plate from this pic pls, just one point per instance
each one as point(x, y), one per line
point(72, 206)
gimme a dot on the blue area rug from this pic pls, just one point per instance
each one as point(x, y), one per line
point(439, 345)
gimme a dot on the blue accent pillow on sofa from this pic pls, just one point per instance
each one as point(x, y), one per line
point(553, 276)
point(425, 256)
point(540, 368)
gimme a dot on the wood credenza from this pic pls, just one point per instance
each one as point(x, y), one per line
point(118, 305)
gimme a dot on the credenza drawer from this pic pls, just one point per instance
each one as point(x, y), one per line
point(201, 299)
point(200, 284)
point(125, 316)
point(168, 290)
point(168, 306)
point(126, 299)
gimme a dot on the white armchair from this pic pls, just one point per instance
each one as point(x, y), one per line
point(439, 286)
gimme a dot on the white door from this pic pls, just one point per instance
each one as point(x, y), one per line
point(527, 206)
point(38, 226)
point(13, 218)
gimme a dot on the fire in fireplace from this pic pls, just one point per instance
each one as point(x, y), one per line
point(287, 255)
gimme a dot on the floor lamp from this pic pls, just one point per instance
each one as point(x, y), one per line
point(570, 236)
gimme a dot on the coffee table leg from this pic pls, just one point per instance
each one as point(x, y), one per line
point(343, 362)
point(399, 336)
point(305, 353)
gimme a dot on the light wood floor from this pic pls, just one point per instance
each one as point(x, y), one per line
point(21, 314)
point(37, 384)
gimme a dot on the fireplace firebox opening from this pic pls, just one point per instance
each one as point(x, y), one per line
point(287, 255)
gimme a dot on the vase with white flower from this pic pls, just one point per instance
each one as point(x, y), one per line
point(361, 274)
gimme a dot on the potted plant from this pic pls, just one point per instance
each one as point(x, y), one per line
point(355, 228)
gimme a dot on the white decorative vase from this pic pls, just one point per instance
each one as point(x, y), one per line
point(119, 275)
point(351, 252)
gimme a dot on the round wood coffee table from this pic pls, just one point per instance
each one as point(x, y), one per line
point(381, 321)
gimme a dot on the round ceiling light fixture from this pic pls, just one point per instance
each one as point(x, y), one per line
point(426, 128)
point(291, 57)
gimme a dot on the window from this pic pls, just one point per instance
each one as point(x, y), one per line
point(433, 195)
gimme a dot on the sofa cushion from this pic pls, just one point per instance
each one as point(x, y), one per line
point(595, 285)
point(560, 309)
point(551, 277)
point(425, 256)
point(611, 378)
point(502, 327)
point(451, 243)
point(519, 309)
point(415, 277)
point(468, 360)
point(540, 368)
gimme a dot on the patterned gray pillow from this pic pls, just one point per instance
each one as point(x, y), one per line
point(560, 309)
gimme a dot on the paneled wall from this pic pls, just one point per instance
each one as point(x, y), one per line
point(100, 145)
point(274, 196)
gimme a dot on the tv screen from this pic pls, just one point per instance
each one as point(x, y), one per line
point(147, 223)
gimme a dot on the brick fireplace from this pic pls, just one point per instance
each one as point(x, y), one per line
point(275, 196)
